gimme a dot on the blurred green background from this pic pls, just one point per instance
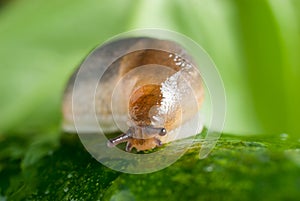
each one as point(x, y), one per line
point(254, 43)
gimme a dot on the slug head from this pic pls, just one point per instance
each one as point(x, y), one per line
point(150, 140)
point(143, 106)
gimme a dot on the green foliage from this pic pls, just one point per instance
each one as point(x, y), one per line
point(64, 174)
point(255, 45)
point(239, 168)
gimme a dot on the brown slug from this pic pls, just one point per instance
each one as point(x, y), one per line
point(150, 87)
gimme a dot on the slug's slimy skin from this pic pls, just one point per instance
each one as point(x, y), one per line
point(151, 86)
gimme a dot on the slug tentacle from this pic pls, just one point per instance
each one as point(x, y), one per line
point(158, 142)
point(128, 146)
point(119, 139)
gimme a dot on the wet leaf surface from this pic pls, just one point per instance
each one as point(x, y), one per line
point(239, 168)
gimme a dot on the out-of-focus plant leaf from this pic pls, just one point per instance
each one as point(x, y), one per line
point(213, 24)
point(272, 68)
point(288, 23)
point(255, 49)
point(41, 43)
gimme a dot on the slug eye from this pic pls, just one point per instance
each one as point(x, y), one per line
point(163, 132)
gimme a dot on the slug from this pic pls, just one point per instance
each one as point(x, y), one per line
point(148, 84)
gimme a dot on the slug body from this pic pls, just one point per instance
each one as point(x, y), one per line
point(147, 91)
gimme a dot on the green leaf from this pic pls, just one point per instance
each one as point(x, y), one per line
point(239, 168)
